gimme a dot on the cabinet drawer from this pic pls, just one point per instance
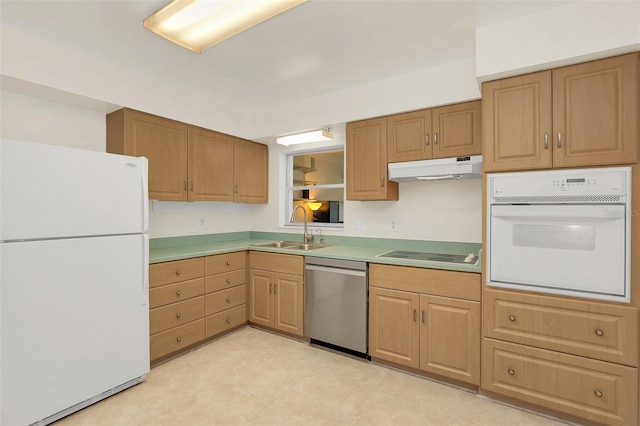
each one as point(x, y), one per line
point(275, 262)
point(177, 292)
point(226, 320)
point(595, 390)
point(173, 340)
point(176, 314)
point(459, 285)
point(178, 270)
point(225, 299)
point(226, 280)
point(225, 262)
point(596, 330)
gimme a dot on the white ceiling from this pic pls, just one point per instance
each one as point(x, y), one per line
point(318, 47)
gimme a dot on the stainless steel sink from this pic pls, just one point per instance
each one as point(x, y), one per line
point(292, 245)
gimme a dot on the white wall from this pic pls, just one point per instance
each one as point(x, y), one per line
point(35, 120)
point(576, 32)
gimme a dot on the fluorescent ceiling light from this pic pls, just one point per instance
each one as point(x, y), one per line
point(198, 24)
point(313, 136)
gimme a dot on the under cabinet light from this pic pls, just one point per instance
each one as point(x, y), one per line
point(198, 24)
point(313, 136)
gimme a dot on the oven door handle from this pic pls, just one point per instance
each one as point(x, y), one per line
point(560, 212)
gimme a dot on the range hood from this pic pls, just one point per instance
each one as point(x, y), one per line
point(440, 169)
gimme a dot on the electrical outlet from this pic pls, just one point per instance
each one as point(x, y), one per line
point(359, 224)
point(393, 226)
point(201, 222)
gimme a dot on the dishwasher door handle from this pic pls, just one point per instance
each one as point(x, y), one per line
point(334, 270)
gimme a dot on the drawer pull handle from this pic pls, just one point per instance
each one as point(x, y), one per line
point(512, 318)
point(598, 394)
point(228, 300)
point(511, 372)
point(599, 332)
point(228, 280)
point(228, 320)
point(178, 339)
point(435, 138)
point(275, 289)
point(424, 317)
point(415, 315)
point(178, 272)
point(228, 263)
point(426, 139)
point(178, 315)
point(178, 293)
point(270, 288)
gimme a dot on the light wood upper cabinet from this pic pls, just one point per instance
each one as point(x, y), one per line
point(457, 130)
point(210, 174)
point(189, 163)
point(580, 115)
point(449, 131)
point(367, 175)
point(595, 112)
point(409, 136)
point(250, 172)
point(162, 141)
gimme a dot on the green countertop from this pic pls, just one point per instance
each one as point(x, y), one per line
point(347, 248)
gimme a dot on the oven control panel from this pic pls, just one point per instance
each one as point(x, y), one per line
point(609, 181)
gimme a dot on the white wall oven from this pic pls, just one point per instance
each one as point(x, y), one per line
point(564, 232)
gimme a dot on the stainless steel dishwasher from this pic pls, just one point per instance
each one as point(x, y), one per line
point(336, 304)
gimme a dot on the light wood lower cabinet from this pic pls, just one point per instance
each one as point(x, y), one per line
point(226, 292)
point(412, 323)
point(194, 299)
point(598, 391)
point(276, 291)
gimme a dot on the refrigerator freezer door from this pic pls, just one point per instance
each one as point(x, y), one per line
point(55, 192)
point(75, 322)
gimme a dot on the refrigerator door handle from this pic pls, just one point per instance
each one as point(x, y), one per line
point(145, 270)
point(145, 194)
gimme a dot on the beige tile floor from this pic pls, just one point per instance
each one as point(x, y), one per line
point(253, 377)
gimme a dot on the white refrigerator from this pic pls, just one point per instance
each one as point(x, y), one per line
point(74, 283)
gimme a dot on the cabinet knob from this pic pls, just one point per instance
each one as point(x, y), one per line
point(512, 318)
point(178, 293)
point(178, 315)
point(178, 339)
point(598, 393)
point(511, 372)
point(599, 332)
point(228, 300)
point(228, 280)
point(228, 320)
point(178, 272)
point(228, 263)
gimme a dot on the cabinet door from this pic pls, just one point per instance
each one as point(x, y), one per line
point(261, 297)
point(251, 172)
point(457, 130)
point(595, 112)
point(450, 338)
point(516, 123)
point(164, 143)
point(394, 332)
point(210, 165)
point(409, 136)
point(367, 161)
point(288, 293)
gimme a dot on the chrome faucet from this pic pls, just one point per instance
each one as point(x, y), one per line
point(308, 238)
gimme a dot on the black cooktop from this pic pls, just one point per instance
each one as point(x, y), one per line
point(466, 259)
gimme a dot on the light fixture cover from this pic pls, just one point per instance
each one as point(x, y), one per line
point(198, 24)
point(306, 137)
point(314, 205)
